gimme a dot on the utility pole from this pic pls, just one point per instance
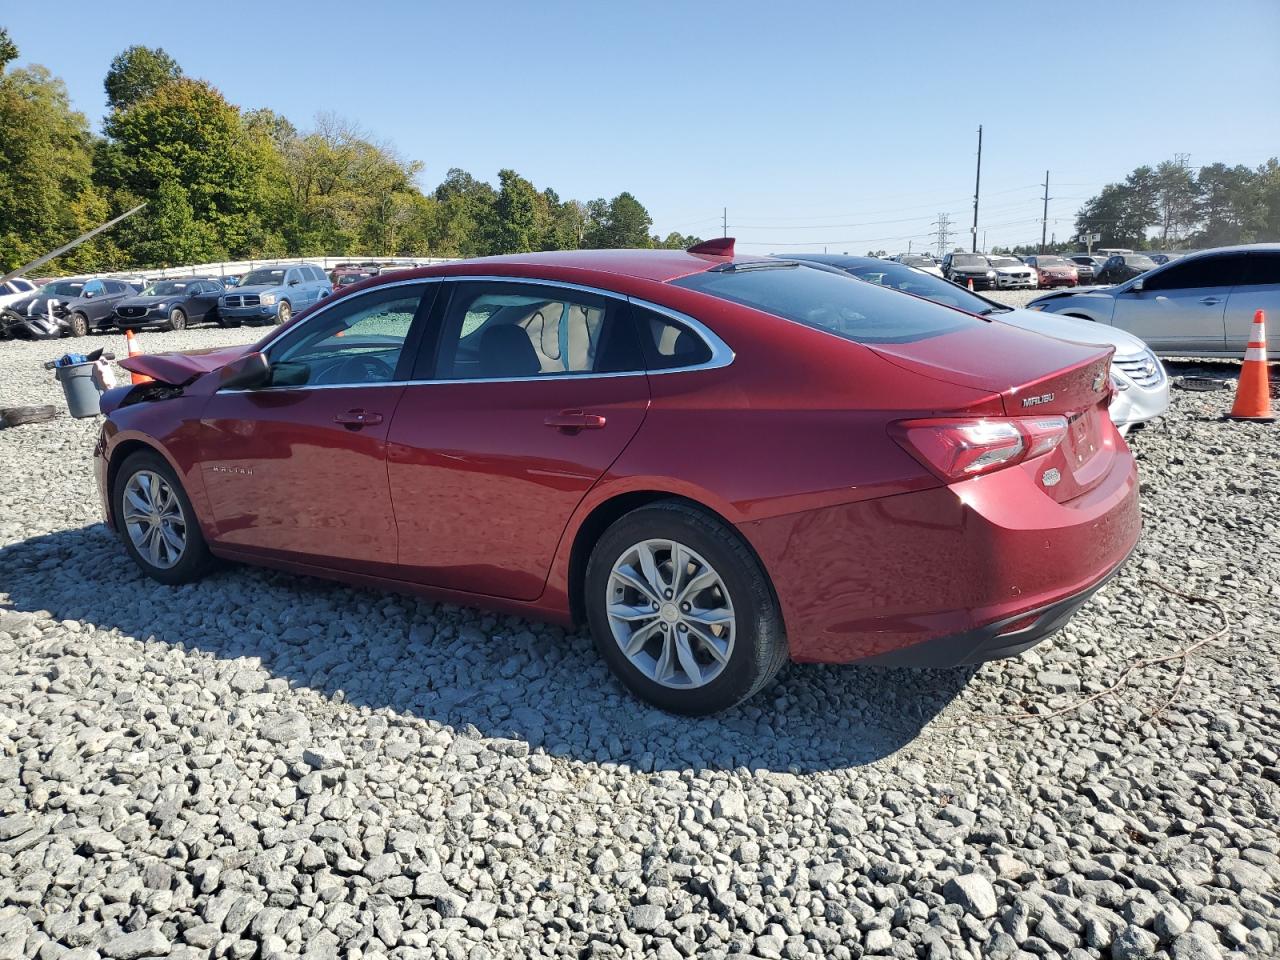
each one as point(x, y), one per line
point(977, 187)
point(943, 223)
point(725, 223)
point(1044, 220)
point(909, 242)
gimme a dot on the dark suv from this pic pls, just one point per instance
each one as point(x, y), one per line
point(962, 267)
point(1124, 266)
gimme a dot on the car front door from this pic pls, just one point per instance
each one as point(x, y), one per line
point(296, 469)
point(528, 393)
point(1259, 289)
point(1180, 308)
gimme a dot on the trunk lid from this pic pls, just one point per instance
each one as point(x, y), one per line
point(1034, 375)
point(181, 368)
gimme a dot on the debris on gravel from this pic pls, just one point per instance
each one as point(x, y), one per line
point(262, 765)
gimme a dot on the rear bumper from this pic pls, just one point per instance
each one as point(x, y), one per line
point(995, 641)
point(954, 565)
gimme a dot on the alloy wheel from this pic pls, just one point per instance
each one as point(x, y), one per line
point(671, 614)
point(154, 519)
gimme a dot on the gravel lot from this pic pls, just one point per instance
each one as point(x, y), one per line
point(263, 765)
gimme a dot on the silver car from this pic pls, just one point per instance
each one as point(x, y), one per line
point(1200, 305)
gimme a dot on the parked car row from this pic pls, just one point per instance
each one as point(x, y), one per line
point(78, 307)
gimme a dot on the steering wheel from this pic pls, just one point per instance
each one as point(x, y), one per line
point(359, 368)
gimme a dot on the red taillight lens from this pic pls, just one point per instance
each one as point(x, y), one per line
point(955, 449)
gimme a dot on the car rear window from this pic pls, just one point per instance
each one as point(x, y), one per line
point(829, 301)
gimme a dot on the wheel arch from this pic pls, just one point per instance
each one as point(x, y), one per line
point(605, 513)
point(121, 452)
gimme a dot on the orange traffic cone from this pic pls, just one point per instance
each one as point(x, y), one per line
point(135, 350)
point(971, 284)
point(1253, 392)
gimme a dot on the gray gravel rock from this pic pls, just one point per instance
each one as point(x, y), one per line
point(263, 766)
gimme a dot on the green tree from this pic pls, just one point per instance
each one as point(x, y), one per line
point(621, 223)
point(464, 214)
point(46, 193)
point(515, 219)
point(186, 135)
point(8, 49)
point(137, 73)
point(676, 241)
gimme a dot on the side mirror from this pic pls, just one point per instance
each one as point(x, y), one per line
point(245, 373)
point(293, 282)
point(89, 294)
point(1136, 286)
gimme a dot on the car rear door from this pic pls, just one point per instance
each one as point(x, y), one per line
point(526, 396)
point(1180, 308)
point(1258, 289)
point(297, 470)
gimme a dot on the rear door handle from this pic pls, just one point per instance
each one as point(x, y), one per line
point(571, 421)
point(1210, 301)
point(357, 418)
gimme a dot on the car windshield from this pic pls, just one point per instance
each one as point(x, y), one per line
point(824, 300)
point(1141, 261)
point(916, 261)
point(166, 288)
point(263, 278)
point(63, 288)
point(968, 260)
point(1051, 262)
point(1005, 262)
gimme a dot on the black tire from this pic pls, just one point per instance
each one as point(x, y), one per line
point(759, 649)
point(284, 313)
point(78, 325)
point(177, 319)
point(195, 560)
point(17, 416)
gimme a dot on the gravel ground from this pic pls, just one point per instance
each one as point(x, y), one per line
point(263, 765)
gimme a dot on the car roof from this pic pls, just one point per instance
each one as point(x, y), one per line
point(660, 265)
point(837, 259)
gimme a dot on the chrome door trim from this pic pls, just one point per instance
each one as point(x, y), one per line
point(722, 354)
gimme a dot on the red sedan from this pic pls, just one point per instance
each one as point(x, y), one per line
point(717, 463)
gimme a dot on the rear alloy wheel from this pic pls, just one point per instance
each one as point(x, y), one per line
point(283, 313)
point(682, 611)
point(157, 522)
point(78, 325)
point(177, 319)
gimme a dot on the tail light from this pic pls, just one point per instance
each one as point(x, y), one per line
point(955, 449)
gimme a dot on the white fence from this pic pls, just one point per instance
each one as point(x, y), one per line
point(241, 267)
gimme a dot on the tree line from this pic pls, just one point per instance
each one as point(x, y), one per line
point(226, 183)
point(1172, 206)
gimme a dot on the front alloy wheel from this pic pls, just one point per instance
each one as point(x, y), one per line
point(154, 520)
point(283, 313)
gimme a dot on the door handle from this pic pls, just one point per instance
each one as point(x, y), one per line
point(1210, 301)
point(571, 421)
point(357, 418)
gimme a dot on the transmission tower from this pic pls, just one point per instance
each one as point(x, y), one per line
point(943, 233)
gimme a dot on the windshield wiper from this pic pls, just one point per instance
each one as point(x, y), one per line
point(995, 308)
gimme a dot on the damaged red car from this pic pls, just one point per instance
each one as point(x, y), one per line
point(717, 463)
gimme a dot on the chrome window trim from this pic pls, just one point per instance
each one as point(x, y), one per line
point(722, 354)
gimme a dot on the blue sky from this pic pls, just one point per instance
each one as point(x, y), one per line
point(819, 124)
